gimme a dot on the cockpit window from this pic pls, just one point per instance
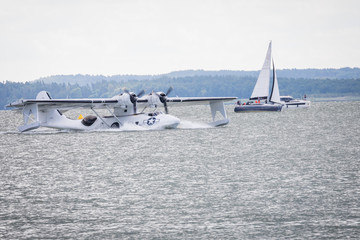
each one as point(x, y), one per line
point(154, 114)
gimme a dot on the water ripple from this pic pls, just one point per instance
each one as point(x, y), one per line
point(293, 174)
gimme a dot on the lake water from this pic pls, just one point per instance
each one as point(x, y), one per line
point(281, 175)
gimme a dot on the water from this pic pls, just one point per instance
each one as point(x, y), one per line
point(287, 175)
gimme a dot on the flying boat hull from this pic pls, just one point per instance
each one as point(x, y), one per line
point(149, 121)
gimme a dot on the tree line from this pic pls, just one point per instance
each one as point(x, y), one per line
point(330, 73)
point(188, 86)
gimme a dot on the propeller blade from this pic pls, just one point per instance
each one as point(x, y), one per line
point(166, 108)
point(141, 93)
point(169, 91)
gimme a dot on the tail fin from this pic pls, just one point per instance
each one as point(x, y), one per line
point(46, 115)
point(46, 95)
point(43, 95)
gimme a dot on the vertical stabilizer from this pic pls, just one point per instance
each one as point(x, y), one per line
point(43, 95)
point(46, 115)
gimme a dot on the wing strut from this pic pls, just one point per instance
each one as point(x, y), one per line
point(113, 114)
point(100, 117)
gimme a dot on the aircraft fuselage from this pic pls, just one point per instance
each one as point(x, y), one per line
point(145, 120)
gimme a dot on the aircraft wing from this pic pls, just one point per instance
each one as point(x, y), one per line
point(185, 101)
point(65, 104)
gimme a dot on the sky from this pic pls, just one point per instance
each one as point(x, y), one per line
point(40, 38)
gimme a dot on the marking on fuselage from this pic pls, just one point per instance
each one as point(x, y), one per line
point(151, 121)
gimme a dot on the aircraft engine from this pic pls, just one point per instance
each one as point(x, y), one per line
point(123, 100)
point(153, 100)
point(157, 98)
point(128, 98)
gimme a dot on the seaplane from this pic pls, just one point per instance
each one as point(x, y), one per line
point(120, 110)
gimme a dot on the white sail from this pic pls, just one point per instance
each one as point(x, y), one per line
point(261, 89)
point(275, 94)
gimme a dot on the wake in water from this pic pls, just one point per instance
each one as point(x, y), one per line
point(127, 127)
point(185, 124)
point(42, 132)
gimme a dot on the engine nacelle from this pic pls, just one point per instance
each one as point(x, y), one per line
point(153, 99)
point(124, 101)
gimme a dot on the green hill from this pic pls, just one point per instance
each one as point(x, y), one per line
point(312, 82)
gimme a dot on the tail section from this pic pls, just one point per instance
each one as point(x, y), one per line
point(46, 115)
point(43, 95)
point(35, 117)
point(31, 118)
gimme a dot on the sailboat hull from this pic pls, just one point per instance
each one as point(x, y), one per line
point(258, 107)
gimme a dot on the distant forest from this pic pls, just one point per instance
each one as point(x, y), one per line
point(195, 83)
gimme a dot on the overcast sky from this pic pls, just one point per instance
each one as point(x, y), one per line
point(108, 37)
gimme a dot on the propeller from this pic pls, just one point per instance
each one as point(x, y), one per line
point(134, 97)
point(163, 97)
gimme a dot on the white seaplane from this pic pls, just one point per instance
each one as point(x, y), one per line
point(122, 109)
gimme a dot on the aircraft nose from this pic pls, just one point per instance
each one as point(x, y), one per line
point(177, 120)
point(173, 122)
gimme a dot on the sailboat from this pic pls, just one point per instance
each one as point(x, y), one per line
point(264, 98)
